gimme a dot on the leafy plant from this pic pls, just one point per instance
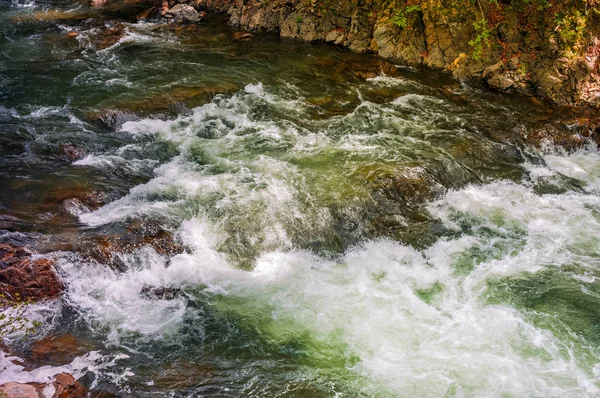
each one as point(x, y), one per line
point(400, 17)
point(482, 38)
point(13, 319)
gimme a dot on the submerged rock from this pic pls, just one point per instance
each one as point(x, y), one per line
point(107, 249)
point(25, 276)
point(161, 292)
point(57, 350)
point(242, 36)
point(75, 200)
point(72, 152)
point(64, 386)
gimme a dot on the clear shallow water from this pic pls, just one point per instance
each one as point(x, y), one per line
point(350, 229)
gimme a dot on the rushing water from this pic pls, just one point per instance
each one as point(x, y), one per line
point(349, 230)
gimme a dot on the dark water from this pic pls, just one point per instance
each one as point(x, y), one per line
point(347, 227)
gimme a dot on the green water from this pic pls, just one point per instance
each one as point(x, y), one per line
point(350, 228)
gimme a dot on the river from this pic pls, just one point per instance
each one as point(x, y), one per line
point(349, 228)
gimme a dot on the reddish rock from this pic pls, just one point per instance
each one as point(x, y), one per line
point(75, 200)
point(68, 387)
point(72, 34)
point(60, 349)
point(18, 390)
point(25, 277)
point(549, 135)
point(138, 233)
point(72, 152)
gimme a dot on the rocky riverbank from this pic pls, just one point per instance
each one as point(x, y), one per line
point(545, 48)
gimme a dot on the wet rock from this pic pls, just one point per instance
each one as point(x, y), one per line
point(57, 350)
point(147, 13)
point(25, 276)
point(72, 152)
point(242, 36)
point(554, 136)
point(410, 185)
point(67, 387)
point(139, 233)
point(52, 15)
point(162, 292)
point(72, 34)
point(113, 119)
point(63, 386)
point(166, 101)
point(183, 13)
point(180, 374)
point(18, 390)
point(75, 200)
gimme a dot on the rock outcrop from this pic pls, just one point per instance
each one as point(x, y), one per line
point(540, 47)
point(26, 276)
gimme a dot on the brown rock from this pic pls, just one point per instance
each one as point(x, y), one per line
point(501, 82)
point(75, 200)
point(73, 152)
point(68, 387)
point(242, 36)
point(27, 278)
point(138, 234)
point(146, 13)
point(18, 390)
point(493, 70)
point(60, 349)
point(73, 34)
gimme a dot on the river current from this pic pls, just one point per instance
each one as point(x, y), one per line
point(350, 228)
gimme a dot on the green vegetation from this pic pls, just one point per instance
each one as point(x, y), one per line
point(400, 17)
point(482, 39)
point(13, 319)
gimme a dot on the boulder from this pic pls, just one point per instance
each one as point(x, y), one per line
point(501, 82)
point(184, 13)
point(27, 277)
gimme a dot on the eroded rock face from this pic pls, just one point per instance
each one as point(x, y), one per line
point(26, 276)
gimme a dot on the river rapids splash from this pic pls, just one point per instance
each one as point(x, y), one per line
point(488, 310)
point(343, 237)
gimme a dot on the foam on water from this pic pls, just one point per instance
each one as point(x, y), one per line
point(418, 323)
point(93, 362)
point(401, 320)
